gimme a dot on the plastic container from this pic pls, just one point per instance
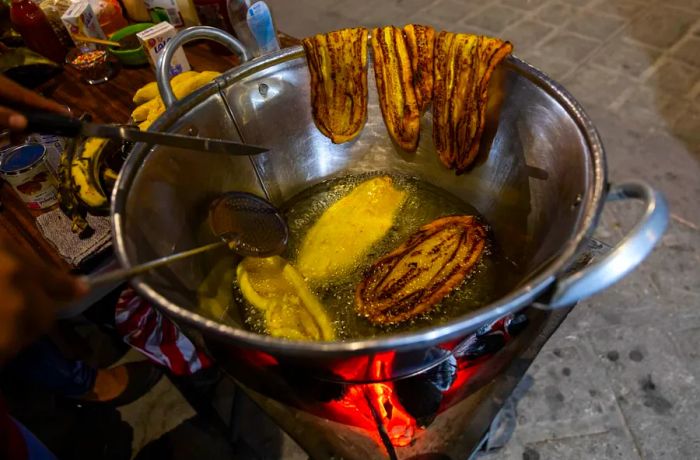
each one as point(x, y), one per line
point(136, 10)
point(25, 169)
point(179, 13)
point(133, 56)
point(54, 9)
point(253, 25)
point(110, 16)
point(94, 66)
point(31, 23)
point(259, 19)
point(213, 13)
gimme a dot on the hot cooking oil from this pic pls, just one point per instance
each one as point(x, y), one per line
point(424, 203)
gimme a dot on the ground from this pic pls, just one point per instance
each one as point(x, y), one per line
point(620, 378)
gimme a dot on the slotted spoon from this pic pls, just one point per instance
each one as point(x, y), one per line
point(247, 224)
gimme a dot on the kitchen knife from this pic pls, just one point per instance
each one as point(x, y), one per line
point(50, 123)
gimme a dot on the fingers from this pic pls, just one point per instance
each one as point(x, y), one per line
point(26, 267)
point(12, 120)
point(19, 95)
point(62, 286)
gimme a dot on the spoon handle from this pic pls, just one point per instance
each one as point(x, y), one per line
point(122, 274)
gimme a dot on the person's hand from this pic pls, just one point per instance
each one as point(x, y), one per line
point(30, 292)
point(14, 95)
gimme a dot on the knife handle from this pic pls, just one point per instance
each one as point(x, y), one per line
point(53, 123)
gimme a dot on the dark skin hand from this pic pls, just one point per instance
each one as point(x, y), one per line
point(14, 95)
point(31, 294)
point(30, 290)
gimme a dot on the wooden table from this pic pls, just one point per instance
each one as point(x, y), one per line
point(108, 102)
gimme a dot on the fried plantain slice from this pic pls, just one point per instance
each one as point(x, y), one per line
point(338, 66)
point(346, 231)
point(420, 41)
point(414, 277)
point(463, 67)
point(394, 77)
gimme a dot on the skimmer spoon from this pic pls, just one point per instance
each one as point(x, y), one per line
point(247, 224)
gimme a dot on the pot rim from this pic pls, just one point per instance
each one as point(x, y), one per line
point(591, 206)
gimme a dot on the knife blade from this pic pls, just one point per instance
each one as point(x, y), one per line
point(171, 140)
point(50, 123)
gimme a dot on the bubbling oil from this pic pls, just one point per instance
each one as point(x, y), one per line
point(424, 203)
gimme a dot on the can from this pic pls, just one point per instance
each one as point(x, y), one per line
point(25, 169)
point(54, 148)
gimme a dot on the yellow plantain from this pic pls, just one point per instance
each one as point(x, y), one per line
point(463, 67)
point(346, 231)
point(291, 310)
point(338, 67)
point(85, 172)
point(183, 84)
point(150, 91)
point(420, 41)
point(394, 77)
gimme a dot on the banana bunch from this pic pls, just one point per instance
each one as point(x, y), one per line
point(86, 176)
point(86, 179)
point(150, 104)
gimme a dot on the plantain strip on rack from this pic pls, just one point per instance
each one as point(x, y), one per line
point(413, 278)
point(463, 67)
point(397, 96)
point(420, 41)
point(338, 66)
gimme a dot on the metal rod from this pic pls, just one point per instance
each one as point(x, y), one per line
point(126, 273)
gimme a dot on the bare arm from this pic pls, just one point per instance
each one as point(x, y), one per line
point(14, 95)
point(30, 292)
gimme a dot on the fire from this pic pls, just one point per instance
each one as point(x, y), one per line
point(376, 406)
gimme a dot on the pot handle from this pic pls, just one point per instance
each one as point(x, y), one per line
point(625, 256)
point(186, 36)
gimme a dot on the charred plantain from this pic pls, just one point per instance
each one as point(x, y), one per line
point(394, 77)
point(414, 277)
point(338, 66)
point(463, 67)
point(420, 41)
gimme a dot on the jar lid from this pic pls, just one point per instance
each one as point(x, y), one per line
point(21, 157)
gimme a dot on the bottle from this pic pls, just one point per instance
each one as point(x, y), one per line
point(5, 23)
point(213, 13)
point(31, 23)
point(179, 13)
point(260, 23)
point(189, 13)
point(136, 10)
point(253, 25)
point(54, 9)
point(109, 15)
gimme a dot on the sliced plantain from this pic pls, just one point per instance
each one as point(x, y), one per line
point(291, 310)
point(394, 77)
point(346, 231)
point(463, 67)
point(337, 64)
point(414, 277)
point(420, 41)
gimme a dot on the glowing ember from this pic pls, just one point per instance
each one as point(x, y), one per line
point(385, 408)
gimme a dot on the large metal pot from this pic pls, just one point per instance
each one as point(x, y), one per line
point(541, 184)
